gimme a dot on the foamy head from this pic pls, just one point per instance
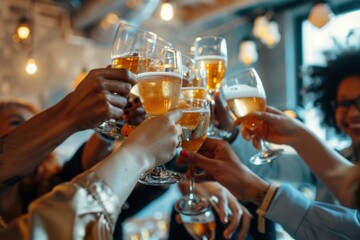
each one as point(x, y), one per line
point(210, 57)
point(157, 74)
point(241, 91)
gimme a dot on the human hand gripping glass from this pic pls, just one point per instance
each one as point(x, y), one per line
point(210, 54)
point(159, 82)
point(244, 94)
point(128, 41)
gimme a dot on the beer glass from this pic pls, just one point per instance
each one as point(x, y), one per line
point(128, 41)
point(194, 80)
point(244, 94)
point(159, 81)
point(210, 54)
point(195, 123)
point(201, 226)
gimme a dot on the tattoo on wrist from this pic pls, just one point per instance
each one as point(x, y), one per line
point(259, 197)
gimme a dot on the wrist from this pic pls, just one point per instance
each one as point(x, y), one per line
point(265, 204)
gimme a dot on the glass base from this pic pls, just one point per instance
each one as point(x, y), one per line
point(192, 206)
point(216, 133)
point(265, 156)
point(158, 178)
point(110, 128)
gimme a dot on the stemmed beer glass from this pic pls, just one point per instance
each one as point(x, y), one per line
point(194, 80)
point(128, 41)
point(210, 54)
point(245, 94)
point(194, 122)
point(159, 81)
point(201, 226)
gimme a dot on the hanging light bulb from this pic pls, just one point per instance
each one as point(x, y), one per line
point(166, 11)
point(31, 67)
point(272, 37)
point(260, 26)
point(23, 29)
point(320, 14)
point(247, 52)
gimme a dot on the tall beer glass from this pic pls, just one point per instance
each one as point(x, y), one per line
point(128, 41)
point(159, 82)
point(245, 94)
point(210, 54)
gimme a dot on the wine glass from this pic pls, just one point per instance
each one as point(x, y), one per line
point(244, 94)
point(210, 54)
point(128, 41)
point(159, 82)
point(194, 80)
point(195, 123)
point(201, 226)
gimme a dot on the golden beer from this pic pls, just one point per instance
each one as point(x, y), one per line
point(215, 67)
point(159, 91)
point(194, 92)
point(194, 122)
point(242, 106)
point(201, 230)
point(129, 62)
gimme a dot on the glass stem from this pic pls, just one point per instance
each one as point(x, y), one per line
point(192, 183)
point(266, 151)
point(212, 111)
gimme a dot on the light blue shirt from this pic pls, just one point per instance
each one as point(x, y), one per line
point(306, 219)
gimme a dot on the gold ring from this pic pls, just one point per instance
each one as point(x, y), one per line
point(180, 141)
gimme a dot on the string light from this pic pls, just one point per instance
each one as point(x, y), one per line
point(31, 66)
point(166, 11)
point(247, 52)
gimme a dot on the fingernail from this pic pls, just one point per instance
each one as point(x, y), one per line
point(226, 219)
point(184, 153)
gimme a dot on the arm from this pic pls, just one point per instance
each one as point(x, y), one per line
point(322, 160)
point(304, 219)
point(92, 102)
point(89, 205)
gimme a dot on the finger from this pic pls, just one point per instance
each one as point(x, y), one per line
point(256, 142)
point(245, 223)
point(246, 133)
point(117, 100)
point(197, 160)
point(222, 206)
point(120, 88)
point(273, 110)
point(236, 212)
point(174, 115)
point(120, 74)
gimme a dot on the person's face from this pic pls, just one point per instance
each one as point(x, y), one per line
point(348, 117)
point(11, 117)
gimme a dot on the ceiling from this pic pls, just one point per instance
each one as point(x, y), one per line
point(86, 17)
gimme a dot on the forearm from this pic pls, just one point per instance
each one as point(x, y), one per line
point(122, 169)
point(304, 219)
point(27, 145)
point(324, 162)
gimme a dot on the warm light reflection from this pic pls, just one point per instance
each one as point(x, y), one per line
point(166, 12)
point(23, 31)
point(31, 67)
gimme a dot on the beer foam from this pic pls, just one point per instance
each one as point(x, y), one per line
point(210, 57)
point(241, 91)
point(156, 74)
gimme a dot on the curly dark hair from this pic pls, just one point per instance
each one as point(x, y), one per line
point(326, 80)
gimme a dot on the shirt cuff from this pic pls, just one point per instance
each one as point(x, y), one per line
point(102, 193)
point(288, 208)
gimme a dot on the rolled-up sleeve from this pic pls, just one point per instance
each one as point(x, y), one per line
point(86, 207)
point(306, 219)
